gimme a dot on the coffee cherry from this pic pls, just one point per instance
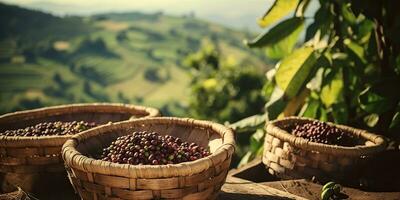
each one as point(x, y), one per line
point(151, 148)
point(322, 132)
point(51, 128)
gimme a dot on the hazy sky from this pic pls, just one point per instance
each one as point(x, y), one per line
point(237, 13)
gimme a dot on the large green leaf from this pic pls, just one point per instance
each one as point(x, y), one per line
point(331, 92)
point(294, 70)
point(380, 97)
point(279, 9)
point(251, 123)
point(277, 33)
point(285, 46)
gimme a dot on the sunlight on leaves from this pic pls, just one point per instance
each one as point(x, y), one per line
point(278, 10)
point(294, 70)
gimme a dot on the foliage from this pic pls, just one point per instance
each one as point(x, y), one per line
point(346, 70)
point(223, 90)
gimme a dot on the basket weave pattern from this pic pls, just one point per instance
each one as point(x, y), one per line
point(199, 179)
point(43, 154)
point(288, 156)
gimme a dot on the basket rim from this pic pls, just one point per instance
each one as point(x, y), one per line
point(380, 142)
point(58, 140)
point(75, 160)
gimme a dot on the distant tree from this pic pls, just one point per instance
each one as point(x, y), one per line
point(29, 56)
point(150, 53)
point(154, 74)
point(58, 79)
point(24, 104)
point(138, 100)
point(100, 18)
point(193, 43)
point(173, 32)
point(72, 67)
point(121, 97)
point(87, 88)
point(122, 36)
point(90, 72)
point(97, 46)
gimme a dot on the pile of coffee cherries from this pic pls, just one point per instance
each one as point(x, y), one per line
point(322, 132)
point(51, 128)
point(151, 148)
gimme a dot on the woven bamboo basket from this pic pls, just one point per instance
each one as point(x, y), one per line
point(199, 179)
point(30, 162)
point(290, 157)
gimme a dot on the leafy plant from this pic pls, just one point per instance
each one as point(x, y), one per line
point(347, 70)
point(222, 89)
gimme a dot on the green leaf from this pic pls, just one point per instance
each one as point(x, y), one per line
point(364, 31)
point(257, 140)
point(279, 9)
point(276, 104)
point(268, 89)
point(285, 46)
point(395, 124)
point(277, 33)
point(294, 70)
point(250, 123)
point(356, 49)
point(371, 120)
point(331, 91)
point(323, 115)
point(397, 66)
point(316, 82)
point(310, 109)
point(260, 151)
point(340, 113)
point(380, 97)
point(348, 14)
point(246, 158)
point(322, 22)
point(301, 7)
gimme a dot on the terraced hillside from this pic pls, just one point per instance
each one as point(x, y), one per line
point(124, 57)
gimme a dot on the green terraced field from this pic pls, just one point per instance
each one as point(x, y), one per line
point(125, 57)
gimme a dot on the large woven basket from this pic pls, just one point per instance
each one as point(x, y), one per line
point(199, 179)
point(289, 157)
point(33, 163)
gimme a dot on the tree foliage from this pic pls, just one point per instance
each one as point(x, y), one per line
point(221, 89)
point(345, 71)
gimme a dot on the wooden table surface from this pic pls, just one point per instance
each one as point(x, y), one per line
point(251, 182)
point(255, 186)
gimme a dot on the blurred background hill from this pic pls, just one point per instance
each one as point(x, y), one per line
point(129, 57)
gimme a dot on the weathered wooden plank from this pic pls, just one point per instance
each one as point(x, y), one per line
point(312, 191)
point(255, 172)
point(238, 189)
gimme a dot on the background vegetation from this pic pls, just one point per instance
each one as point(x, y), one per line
point(115, 57)
point(340, 64)
point(346, 70)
